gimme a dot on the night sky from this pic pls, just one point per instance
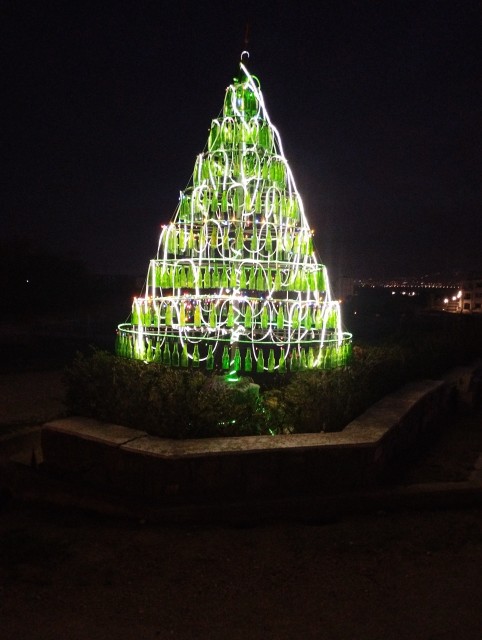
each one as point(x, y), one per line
point(378, 105)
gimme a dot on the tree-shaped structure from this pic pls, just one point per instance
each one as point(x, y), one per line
point(236, 284)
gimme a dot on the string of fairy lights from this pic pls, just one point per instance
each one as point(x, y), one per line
point(236, 276)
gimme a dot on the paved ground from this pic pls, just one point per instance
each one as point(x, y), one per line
point(402, 573)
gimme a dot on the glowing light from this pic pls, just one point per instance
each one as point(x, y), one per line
point(236, 268)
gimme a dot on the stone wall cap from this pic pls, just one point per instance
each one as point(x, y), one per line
point(91, 429)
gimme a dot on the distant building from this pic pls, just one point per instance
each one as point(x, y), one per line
point(471, 298)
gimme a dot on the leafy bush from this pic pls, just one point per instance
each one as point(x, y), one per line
point(187, 403)
point(168, 402)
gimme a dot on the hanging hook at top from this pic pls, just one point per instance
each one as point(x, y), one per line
point(244, 53)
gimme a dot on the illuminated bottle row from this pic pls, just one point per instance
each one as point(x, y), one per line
point(238, 359)
point(260, 277)
point(236, 202)
point(248, 314)
point(226, 133)
point(235, 240)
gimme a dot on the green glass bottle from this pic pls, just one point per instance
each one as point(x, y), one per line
point(224, 282)
point(182, 277)
point(215, 278)
point(264, 136)
point(214, 202)
point(269, 240)
point(258, 202)
point(320, 280)
point(280, 318)
point(239, 239)
point(307, 322)
point(225, 362)
point(224, 203)
point(158, 276)
point(271, 361)
point(177, 278)
point(210, 359)
point(166, 355)
point(252, 279)
point(189, 277)
point(318, 319)
point(254, 238)
point(282, 362)
point(175, 355)
point(311, 358)
point(171, 240)
point(165, 278)
point(214, 136)
point(207, 278)
point(214, 237)
point(294, 361)
point(276, 205)
point(197, 315)
point(191, 242)
point(235, 194)
point(148, 351)
point(279, 246)
point(303, 364)
point(168, 317)
point(260, 361)
point(260, 281)
point(182, 315)
point(295, 319)
point(230, 318)
point(184, 356)
point(202, 239)
point(237, 359)
point(212, 316)
point(248, 317)
point(277, 280)
point(242, 279)
point(331, 320)
point(184, 208)
point(157, 351)
point(182, 240)
point(248, 361)
point(264, 317)
point(297, 243)
point(309, 246)
point(310, 281)
point(195, 356)
point(297, 281)
point(232, 278)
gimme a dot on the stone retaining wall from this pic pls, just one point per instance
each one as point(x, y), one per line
point(131, 463)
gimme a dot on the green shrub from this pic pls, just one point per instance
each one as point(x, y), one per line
point(168, 402)
point(187, 403)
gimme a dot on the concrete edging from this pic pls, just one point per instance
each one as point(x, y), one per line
point(131, 463)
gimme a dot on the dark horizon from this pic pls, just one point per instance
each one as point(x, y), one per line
point(377, 106)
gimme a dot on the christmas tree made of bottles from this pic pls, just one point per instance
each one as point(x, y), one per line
point(236, 284)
